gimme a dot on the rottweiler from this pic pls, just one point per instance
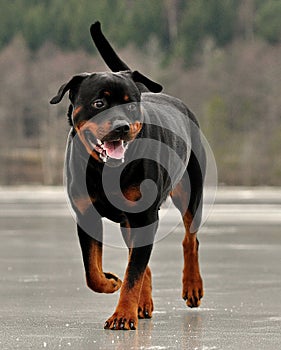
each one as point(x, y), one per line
point(130, 147)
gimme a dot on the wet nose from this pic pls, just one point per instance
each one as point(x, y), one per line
point(121, 127)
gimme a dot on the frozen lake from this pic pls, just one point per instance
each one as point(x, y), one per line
point(44, 302)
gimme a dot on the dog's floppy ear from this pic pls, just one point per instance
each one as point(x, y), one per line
point(71, 85)
point(150, 84)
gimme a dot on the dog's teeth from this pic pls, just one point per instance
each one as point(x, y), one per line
point(99, 142)
point(103, 157)
point(123, 160)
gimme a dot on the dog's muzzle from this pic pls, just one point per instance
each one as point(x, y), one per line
point(113, 145)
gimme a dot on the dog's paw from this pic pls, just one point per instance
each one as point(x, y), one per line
point(145, 311)
point(107, 282)
point(114, 281)
point(145, 307)
point(193, 292)
point(122, 320)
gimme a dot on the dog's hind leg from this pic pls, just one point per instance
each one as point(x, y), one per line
point(97, 280)
point(192, 284)
point(146, 307)
point(187, 197)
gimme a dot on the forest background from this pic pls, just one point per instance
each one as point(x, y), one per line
point(221, 57)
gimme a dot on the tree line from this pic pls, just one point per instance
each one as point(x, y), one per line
point(231, 80)
point(180, 27)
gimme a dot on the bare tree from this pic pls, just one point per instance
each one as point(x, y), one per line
point(171, 12)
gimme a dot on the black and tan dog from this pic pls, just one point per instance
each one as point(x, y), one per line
point(120, 120)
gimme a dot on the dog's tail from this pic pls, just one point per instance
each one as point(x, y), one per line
point(115, 63)
point(106, 51)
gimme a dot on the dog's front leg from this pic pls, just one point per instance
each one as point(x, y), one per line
point(97, 280)
point(145, 304)
point(140, 241)
point(126, 313)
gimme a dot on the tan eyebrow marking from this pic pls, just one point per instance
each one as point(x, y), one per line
point(76, 111)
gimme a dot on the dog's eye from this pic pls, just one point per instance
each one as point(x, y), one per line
point(98, 104)
point(131, 107)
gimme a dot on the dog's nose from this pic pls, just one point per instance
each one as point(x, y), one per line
point(121, 127)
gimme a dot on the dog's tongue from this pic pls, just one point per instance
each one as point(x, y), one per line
point(115, 149)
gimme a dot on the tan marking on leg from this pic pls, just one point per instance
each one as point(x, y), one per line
point(145, 307)
point(83, 203)
point(180, 196)
point(192, 281)
point(97, 280)
point(126, 313)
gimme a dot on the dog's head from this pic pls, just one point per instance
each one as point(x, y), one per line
point(105, 111)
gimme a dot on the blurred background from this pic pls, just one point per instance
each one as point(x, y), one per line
point(221, 57)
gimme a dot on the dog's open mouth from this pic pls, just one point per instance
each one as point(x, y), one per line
point(114, 149)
